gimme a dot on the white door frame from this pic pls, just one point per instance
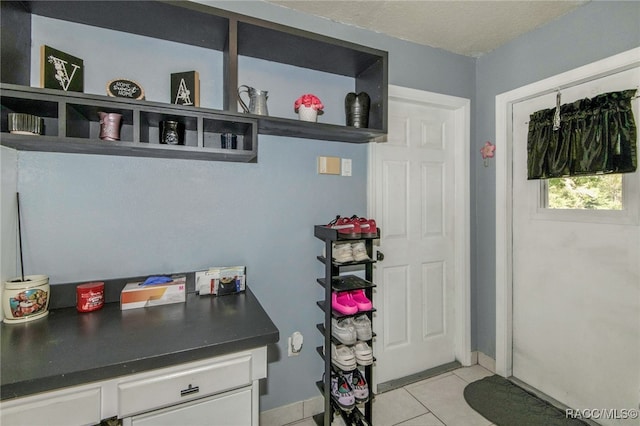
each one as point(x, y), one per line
point(504, 229)
point(462, 113)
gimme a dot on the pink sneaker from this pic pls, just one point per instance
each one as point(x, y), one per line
point(361, 300)
point(341, 302)
point(346, 227)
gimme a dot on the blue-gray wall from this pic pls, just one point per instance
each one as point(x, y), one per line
point(8, 216)
point(90, 217)
point(93, 217)
point(590, 33)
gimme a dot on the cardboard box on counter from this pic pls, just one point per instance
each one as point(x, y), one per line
point(221, 281)
point(137, 295)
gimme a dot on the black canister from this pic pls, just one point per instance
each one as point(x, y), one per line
point(171, 132)
point(228, 141)
point(356, 107)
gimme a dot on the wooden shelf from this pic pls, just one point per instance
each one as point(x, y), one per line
point(257, 38)
point(232, 34)
point(346, 283)
point(127, 149)
point(156, 19)
point(368, 66)
point(72, 126)
point(304, 129)
point(324, 232)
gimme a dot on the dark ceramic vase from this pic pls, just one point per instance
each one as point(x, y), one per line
point(171, 132)
point(356, 107)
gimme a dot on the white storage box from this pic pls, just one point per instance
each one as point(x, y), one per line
point(137, 295)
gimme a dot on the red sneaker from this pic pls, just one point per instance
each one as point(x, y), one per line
point(368, 228)
point(347, 228)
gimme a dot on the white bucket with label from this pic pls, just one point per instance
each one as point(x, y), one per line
point(26, 300)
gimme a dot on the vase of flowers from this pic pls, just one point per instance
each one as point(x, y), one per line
point(308, 107)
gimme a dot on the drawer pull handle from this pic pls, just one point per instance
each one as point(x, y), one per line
point(190, 390)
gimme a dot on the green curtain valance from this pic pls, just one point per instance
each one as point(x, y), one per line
point(596, 135)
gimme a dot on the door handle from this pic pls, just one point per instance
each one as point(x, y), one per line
point(379, 256)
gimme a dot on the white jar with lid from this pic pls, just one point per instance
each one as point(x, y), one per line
point(26, 300)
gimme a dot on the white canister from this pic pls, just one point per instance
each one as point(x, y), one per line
point(26, 300)
point(307, 113)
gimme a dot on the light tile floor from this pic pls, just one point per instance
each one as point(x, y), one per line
point(437, 401)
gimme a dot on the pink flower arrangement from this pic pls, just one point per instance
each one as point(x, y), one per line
point(310, 101)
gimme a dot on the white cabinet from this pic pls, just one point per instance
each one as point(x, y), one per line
point(72, 406)
point(228, 409)
point(214, 391)
point(177, 385)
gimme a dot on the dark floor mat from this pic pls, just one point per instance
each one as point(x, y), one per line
point(506, 404)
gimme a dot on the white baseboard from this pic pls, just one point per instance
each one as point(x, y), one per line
point(313, 406)
point(294, 412)
point(487, 362)
point(282, 415)
point(300, 410)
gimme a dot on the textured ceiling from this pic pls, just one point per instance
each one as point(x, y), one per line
point(467, 27)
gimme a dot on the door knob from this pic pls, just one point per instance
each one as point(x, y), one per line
point(379, 256)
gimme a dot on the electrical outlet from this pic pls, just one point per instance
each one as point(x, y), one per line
point(294, 345)
point(290, 351)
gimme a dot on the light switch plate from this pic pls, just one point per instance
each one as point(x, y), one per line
point(346, 167)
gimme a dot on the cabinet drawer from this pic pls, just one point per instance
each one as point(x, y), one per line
point(173, 386)
point(229, 409)
point(54, 408)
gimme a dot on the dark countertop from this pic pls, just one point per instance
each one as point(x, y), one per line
point(68, 348)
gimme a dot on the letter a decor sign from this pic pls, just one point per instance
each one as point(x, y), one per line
point(59, 70)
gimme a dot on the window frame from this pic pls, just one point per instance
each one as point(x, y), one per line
point(629, 214)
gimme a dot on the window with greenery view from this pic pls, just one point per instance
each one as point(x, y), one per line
point(599, 192)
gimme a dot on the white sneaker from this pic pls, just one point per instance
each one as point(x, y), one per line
point(344, 330)
point(362, 353)
point(342, 252)
point(343, 357)
point(359, 252)
point(362, 324)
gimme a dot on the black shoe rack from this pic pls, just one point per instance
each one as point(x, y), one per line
point(332, 281)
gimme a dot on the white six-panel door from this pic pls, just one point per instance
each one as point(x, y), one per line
point(414, 174)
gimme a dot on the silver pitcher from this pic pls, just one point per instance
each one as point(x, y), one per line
point(257, 100)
